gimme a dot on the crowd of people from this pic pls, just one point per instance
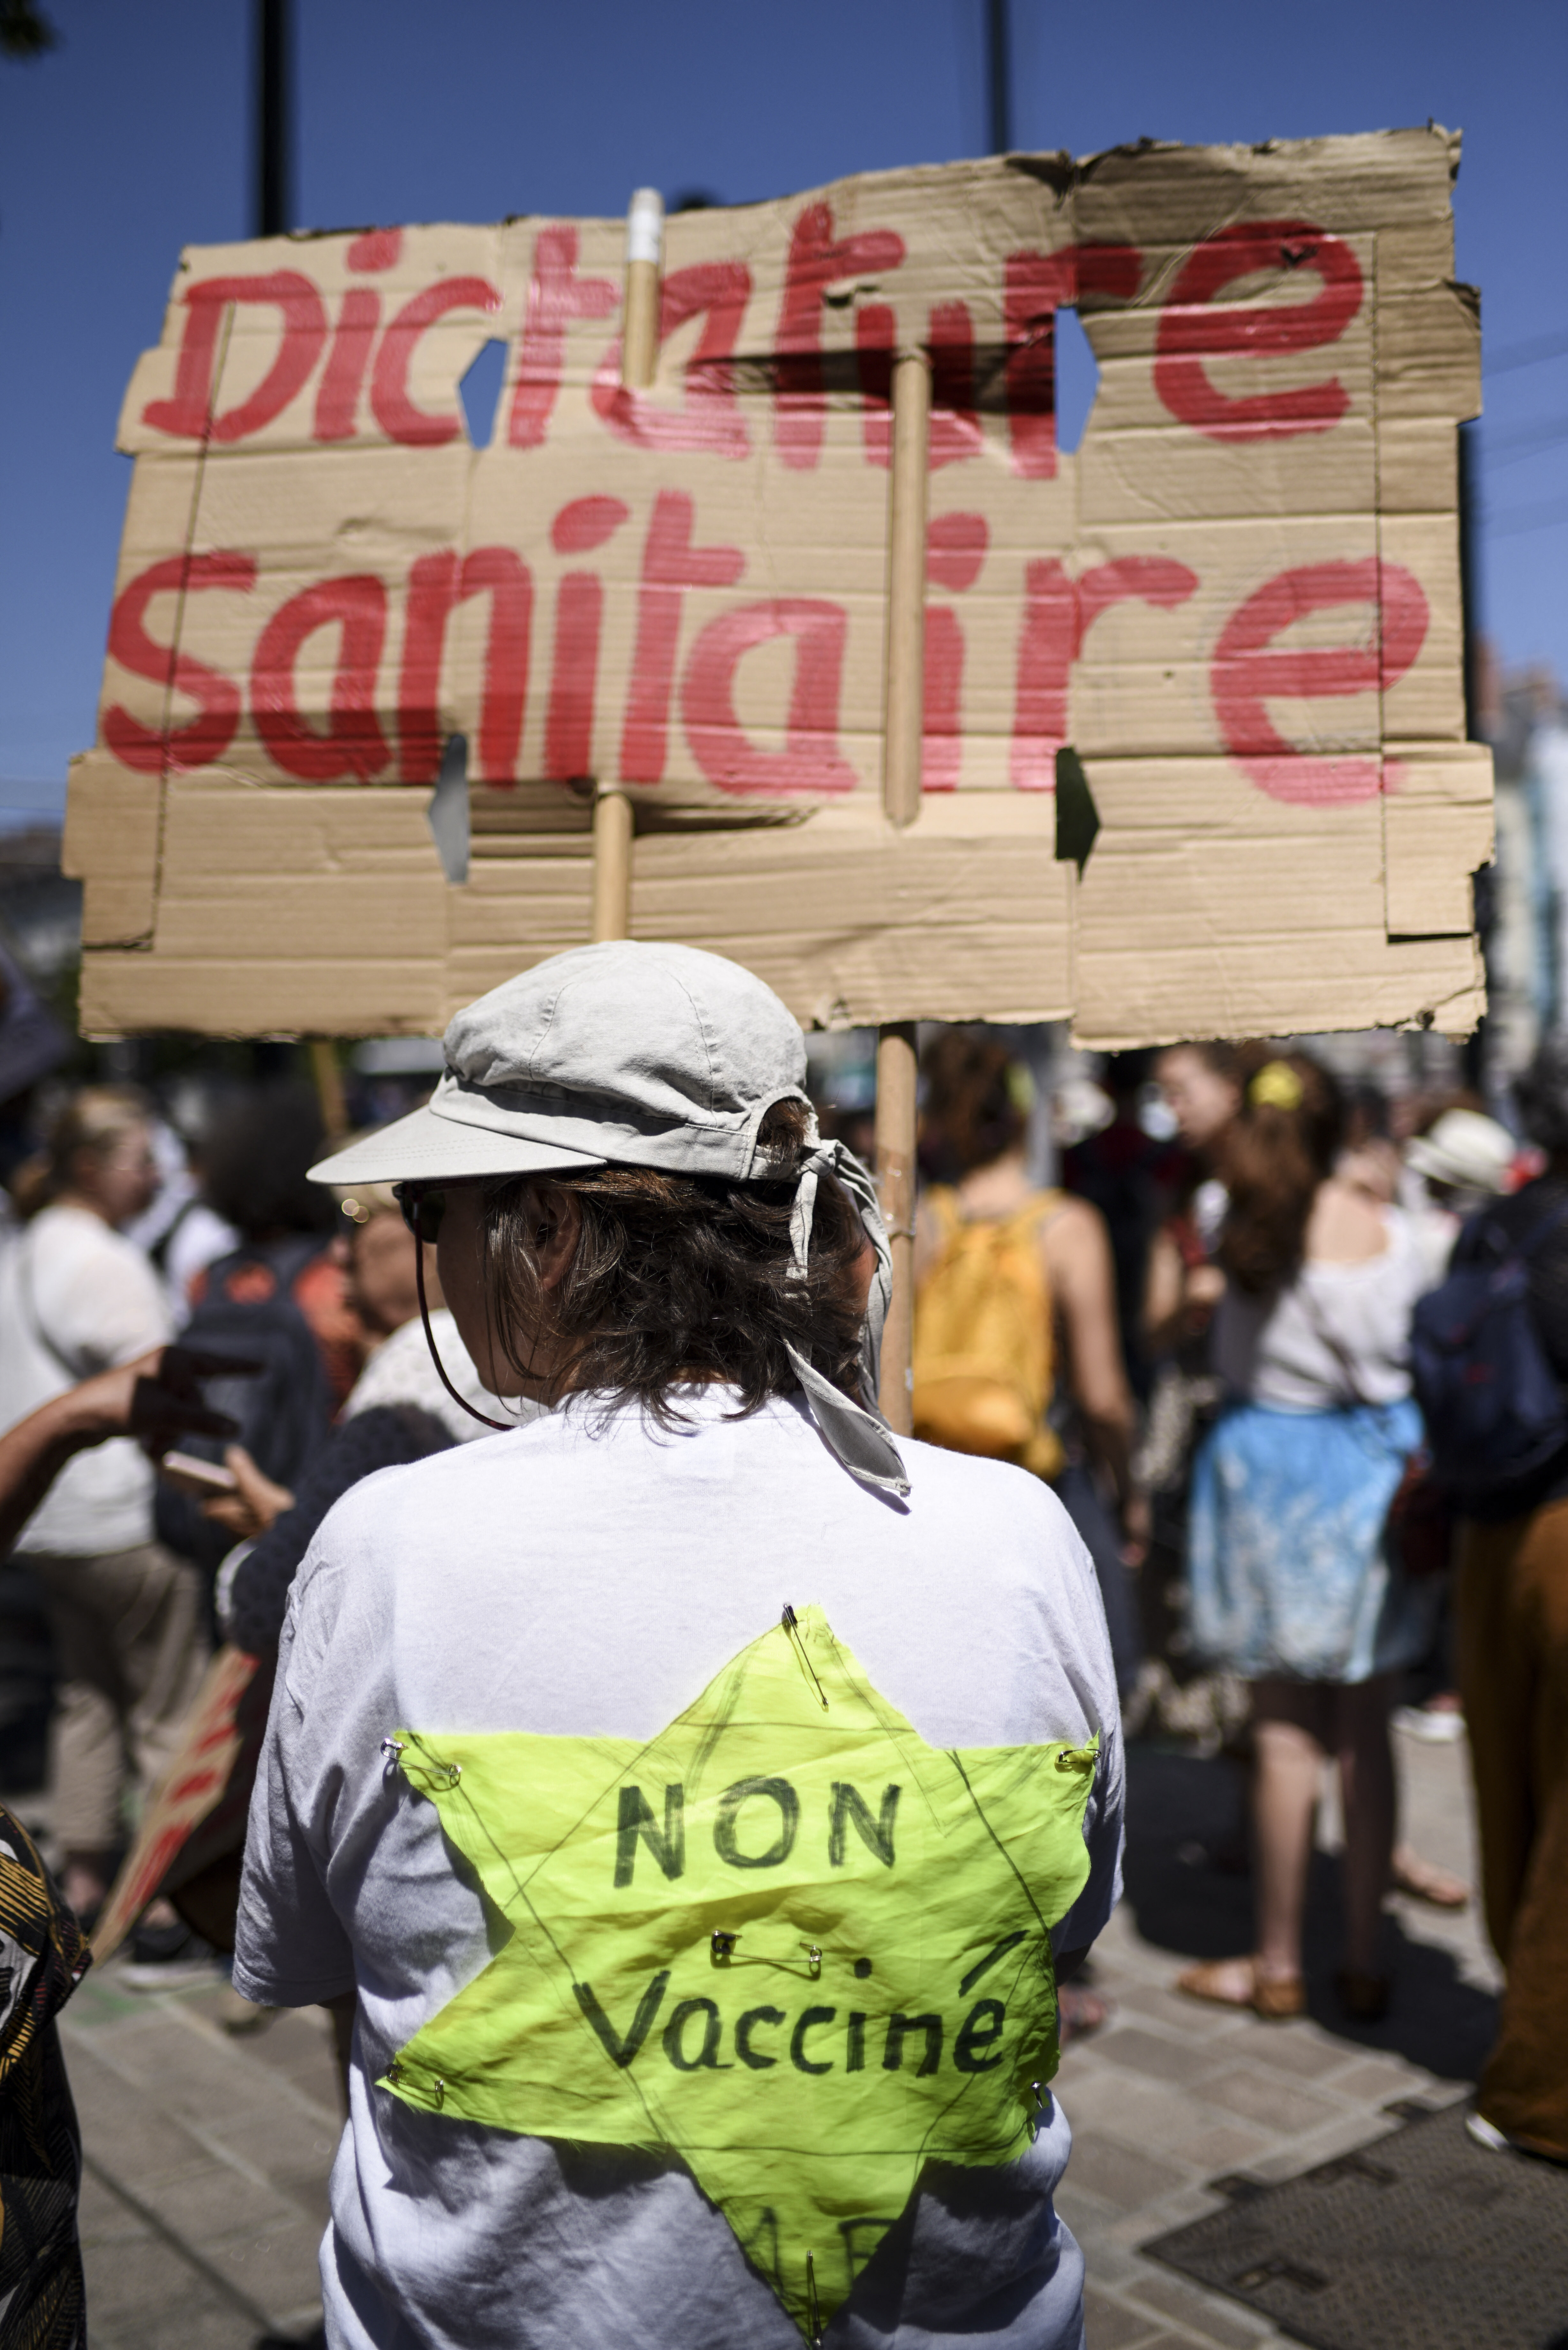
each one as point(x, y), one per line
point(244, 1397)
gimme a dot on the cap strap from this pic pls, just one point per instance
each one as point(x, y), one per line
point(857, 1434)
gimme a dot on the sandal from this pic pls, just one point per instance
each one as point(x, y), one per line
point(1423, 1880)
point(1236, 1982)
point(1079, 2012)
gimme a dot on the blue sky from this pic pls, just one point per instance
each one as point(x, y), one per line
point(132, 139)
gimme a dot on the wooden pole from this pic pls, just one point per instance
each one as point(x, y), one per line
point(896, 1073)
point(614, 823)
point(902, 714)
point(612, 865)
point(904, 691)
point(327, 1077)
point(640, 318)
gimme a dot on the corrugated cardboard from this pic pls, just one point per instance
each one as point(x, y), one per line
point(1239, 601)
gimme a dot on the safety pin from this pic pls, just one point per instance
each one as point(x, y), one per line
point(723, 1945)
point(812, 2307)
point(813, 1958)
point(391, 1748)
point(790, 1623)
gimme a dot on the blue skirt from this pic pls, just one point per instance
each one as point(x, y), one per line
point(1286, 1559)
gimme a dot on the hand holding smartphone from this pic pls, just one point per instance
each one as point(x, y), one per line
point(204, 1478)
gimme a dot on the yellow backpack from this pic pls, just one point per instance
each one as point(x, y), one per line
point(983, 1338)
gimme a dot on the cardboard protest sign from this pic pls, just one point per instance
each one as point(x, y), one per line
point(1237, 602)
point(197, 1812)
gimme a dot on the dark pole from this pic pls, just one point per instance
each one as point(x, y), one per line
point(1000, 61)
point(272, 205)
point(1469, 601)
point(1475, 1055)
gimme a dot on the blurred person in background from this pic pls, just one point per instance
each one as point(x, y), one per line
point(1369, 1157)
point(1135, 1179)
point(32, 1046)
point(400, 1411)
point(1512, 1622)
point(76, 1298)
point(1200, 1088)
point(1294, 1586)
point(1015, 1314)
point(181, 1233)
point(1456, 1162)
point(155, 1400)
point(279, 1299)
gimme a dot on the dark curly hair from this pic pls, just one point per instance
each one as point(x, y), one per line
point(678, 1278)
point(256, 1162)
point(970, 1112)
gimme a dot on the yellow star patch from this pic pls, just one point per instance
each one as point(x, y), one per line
point(786, 1939)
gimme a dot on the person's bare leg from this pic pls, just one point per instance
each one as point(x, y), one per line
point(1368, 1794)
point(1284, 1798)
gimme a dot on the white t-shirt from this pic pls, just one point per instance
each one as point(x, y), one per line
point(1337, 1334)
point(580, 1578)
point(76, 1299)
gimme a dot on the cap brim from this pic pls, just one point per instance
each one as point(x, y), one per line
point(423, 1147)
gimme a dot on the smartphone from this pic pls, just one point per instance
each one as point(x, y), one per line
point(203, 1478)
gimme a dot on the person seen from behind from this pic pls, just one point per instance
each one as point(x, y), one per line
point(1015, 1313)
point(1511, 1611)
point(279, 1300)
point(400, 1409)
point(76, 1299)
point(1293, 1582)
point(684, 1700)
point(155, 1400)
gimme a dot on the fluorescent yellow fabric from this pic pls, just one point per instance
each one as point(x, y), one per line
point(888, 1994)
point(984, 1343)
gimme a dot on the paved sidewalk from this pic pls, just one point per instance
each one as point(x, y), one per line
point(208, 2156)
point(1172, 2095)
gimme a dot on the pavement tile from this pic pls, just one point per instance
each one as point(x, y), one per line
point(1219, 2148)
point(214, 2205)
point(130, 2285)
point(285, 2141)
point(1193, 2018)
point(1146, 2052)
point(1136, 2112)
point(123, 2128)
point(102, 2218)
point(1109, 2325)
point(1227, 2322)
point(1119, 2175)
point(1286, 2111)
point(1169, 2341)
point(1379, 2078)
point(280, 2269)
point(1353, 2129)
point(1299, 2049)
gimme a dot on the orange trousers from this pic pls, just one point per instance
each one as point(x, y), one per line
point(1512, 1628)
